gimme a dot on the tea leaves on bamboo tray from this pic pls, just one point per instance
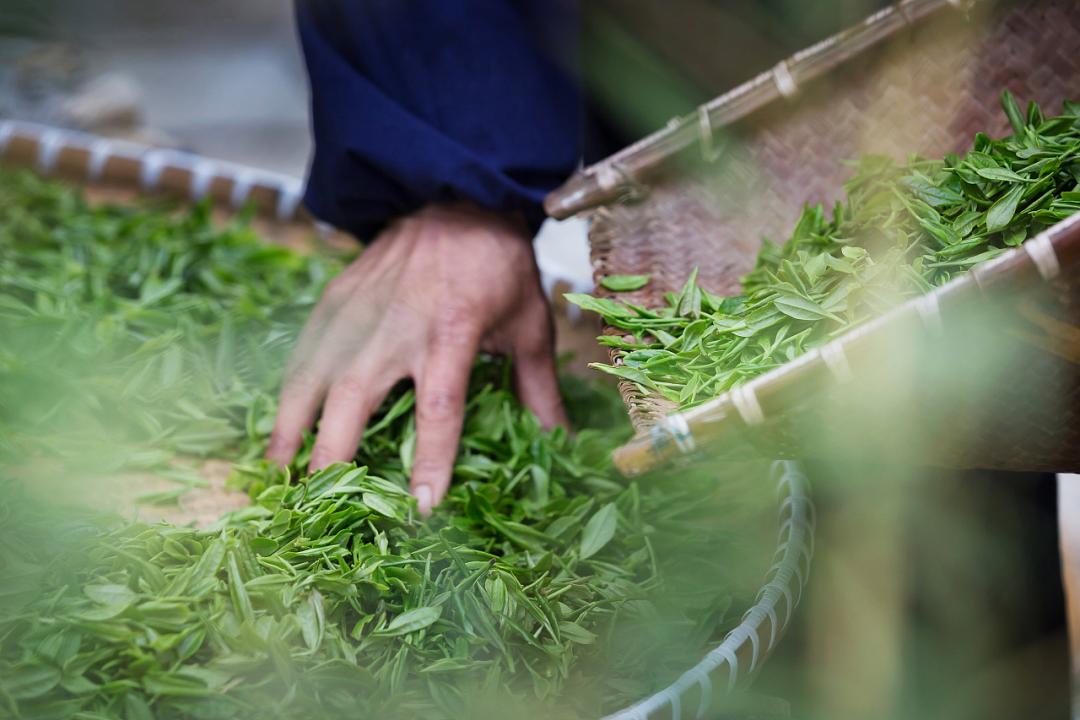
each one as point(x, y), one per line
point(902, 230)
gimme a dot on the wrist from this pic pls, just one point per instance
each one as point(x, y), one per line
point(465, 212)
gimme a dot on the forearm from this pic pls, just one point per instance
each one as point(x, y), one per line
point(422, 101)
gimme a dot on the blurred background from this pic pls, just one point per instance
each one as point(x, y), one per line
point(225, 79)
point(221, 78)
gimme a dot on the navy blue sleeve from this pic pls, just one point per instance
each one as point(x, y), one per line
point(419, 101)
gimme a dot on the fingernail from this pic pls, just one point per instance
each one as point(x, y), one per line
point(423, 499)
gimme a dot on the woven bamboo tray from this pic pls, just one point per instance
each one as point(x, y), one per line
point(919, 77)
point(124, 172)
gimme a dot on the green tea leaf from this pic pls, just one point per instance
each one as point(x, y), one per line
point(576, 633)
point(111, 595)
point(411, 621)
point(1002, 212)
point(380, 505)
point(135, 708)
point(602, 306)
point(312, 620)
point(1001, 174)
point(801, 308)
point(29, 680)
point(598, 531)
point(1012, 111)
point(624, 283)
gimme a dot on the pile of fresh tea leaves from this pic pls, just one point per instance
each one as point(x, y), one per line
point(139, 330)
point(902, 230)
point(541, 585)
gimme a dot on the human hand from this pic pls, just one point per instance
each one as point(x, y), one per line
point(433, 289)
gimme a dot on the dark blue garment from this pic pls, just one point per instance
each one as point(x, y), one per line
point(418, 101)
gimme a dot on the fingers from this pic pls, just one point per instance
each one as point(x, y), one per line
point(349, 403)
point(538, 388)
point(440, 411)
point(300, 399)
point(535, 376)
point(305, 383)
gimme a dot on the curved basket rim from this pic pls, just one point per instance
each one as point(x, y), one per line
point(616, 177)
point(785, 580)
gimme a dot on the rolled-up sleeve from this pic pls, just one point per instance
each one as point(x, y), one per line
point(421, 101)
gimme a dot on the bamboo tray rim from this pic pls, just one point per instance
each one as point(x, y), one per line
point(1042, 257)
point(616, 178)
point(147, 169)
point(785, 581)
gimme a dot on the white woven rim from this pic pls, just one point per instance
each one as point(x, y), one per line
point(785, 580)
point(836, 359)
point(785, 82)
point(746, 402)
point(153, 162)
point(1041, 252)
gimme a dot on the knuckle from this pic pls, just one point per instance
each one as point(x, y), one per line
point(456, 324)
point(279, 439)
point(351, 385)
point(439, 405)
point(535, 343)
point(337, 289)
point(301, 380)
point(429, 467)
